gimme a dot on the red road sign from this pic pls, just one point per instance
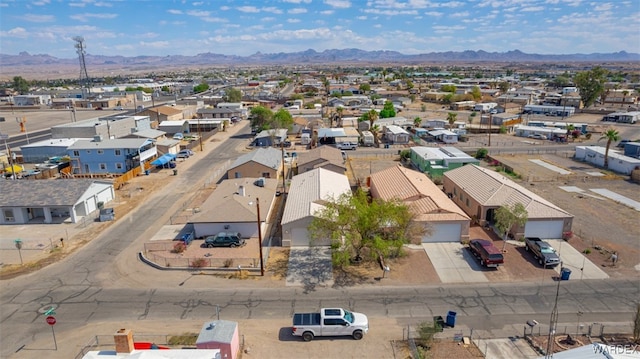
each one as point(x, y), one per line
point(51, 320)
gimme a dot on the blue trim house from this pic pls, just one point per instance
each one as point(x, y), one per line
point(435, 161)
point(111, 156)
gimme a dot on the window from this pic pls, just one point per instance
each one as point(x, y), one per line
point(76, 153)
point(266, 175)
point(467, 202)
point(88, 151)
point(100, 152)
point(118, 152)
point(8, 215)
point(455, 191)
point(103, 166)
point(119, 167)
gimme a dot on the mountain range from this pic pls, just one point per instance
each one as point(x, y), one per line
point(313, 57)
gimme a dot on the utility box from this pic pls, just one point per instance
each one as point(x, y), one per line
point(107, 214)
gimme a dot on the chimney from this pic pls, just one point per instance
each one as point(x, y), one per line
point(241, 191)
point(123, 339)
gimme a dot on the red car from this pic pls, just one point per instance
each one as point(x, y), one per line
point(486, 252)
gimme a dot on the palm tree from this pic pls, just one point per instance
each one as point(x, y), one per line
point(372, 116)
point(612, 136)
point(375, 131)
point(339, 110)
point(451, 118)
point(417, 121)
point(625, 93)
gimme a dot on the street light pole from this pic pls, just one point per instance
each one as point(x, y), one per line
point(260, 237)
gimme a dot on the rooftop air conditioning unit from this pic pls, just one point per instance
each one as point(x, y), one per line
point(260, 182)
point(97, 138)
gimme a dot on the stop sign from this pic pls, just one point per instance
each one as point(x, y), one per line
point(51, 320)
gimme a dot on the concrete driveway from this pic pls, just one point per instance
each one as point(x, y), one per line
point(506, 348)
point(310, 267)
point(574, 260)
point(454, 263)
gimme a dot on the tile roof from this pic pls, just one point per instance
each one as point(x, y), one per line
point(415, 189)
point(227, 204)
point(308, 191)
point(269, 157)
point(41, 193)
point(490, 188)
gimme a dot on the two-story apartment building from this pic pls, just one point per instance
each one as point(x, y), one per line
point(110, 156)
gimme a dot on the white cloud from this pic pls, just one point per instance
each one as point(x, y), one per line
point(198, 13)
point(87, 16)
point(174, 12)
point(293, 21)
point(225, 8)
point(298, 10)
point(147, 35)
point(361, 17)
point(532, 8)
point(460, 14)
point(602, 6)
point(41, 2)
point(249, 9)
point(391, 12)
point(77, 4)
point(197, 3)
point(103, 4)
point(268, 18)
point(297, 1)
point(434, 13)
point(155, 44)
point(37, 18)
point(272, 9)
point(340, 4)
point(20, 32)
point(327, 12)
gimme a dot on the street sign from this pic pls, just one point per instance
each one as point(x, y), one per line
point(51, 320)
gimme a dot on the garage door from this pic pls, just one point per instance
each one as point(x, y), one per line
point(443, 232)
point(299, 237)
point(543, 229)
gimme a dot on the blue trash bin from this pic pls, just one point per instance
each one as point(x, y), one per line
point(565, 273)
point(451, 319)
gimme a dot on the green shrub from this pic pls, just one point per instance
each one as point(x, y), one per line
point(482, 153)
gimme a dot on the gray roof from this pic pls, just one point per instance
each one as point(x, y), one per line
point(41, 193)
point(108, 144)
point(217, 331)
point(149, 133)
point(219, 110)
point(269, 157)
point(228, 204)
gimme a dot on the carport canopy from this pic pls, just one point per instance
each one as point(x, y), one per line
point(164, 159)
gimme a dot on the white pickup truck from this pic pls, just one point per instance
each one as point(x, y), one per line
point(330, 322)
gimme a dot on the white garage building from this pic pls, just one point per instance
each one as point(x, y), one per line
point(445, 220)
point(480, 192)
point(307, 193)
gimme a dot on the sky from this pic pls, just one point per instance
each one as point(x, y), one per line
point(230, 27)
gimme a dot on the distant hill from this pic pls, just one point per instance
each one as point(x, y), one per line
point(312, 56)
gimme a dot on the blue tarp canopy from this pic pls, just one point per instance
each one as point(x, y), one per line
point(164, 159)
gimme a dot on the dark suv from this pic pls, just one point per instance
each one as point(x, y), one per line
point(224, 239)
point(486, 252)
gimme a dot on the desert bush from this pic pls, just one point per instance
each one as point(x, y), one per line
point(179, 247)
point(199, 263)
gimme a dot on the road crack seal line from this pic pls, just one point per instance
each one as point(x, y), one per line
point(147, 306)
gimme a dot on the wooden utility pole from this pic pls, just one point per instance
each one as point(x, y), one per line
point(490, 120)
point(260, 238)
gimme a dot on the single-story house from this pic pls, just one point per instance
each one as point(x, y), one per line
point(445, 221)
point(160, 114)
point(307, 193)
point(435, 123)
point(330, 135)
point(480, 191)
point(443, 135)
point(549, 132)
point(269, 138)
point(435, 161)
point(262, 162)
point(220, 112)
point(149, 133)
point(173, 127)
point(52, 201)
point(327, 157)
point(617, 161)
point(396, 134)
point(222, 335)
point(41, 151)
point(232, 207)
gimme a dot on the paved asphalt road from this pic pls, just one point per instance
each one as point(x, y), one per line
point(104, 282)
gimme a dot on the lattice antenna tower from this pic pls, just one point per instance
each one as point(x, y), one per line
point(80, 50)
